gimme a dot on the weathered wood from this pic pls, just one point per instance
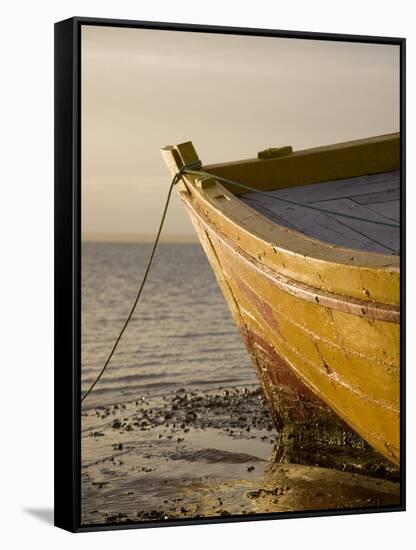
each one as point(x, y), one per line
point(362, 188)
point(179, 156)
point(358, 274)
point(339, 231)
point(362, 275)
point(329, 314)
point(275, 152)
point(390, 210)
point(381, 238)
point(333, 162)
point(348, 196)
point(171, 158)
point(387, 195)
point(281, 286)
point(362, 389)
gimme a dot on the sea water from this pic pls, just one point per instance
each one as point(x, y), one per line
point(181, 335)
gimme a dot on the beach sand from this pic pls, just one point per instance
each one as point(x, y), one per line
point(211, 454)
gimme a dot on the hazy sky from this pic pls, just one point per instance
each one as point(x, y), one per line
point(230, 95)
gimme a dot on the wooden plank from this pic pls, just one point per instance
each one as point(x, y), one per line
point(362, 275)
point(350, 208)
point(390, 210)
point(268, 210)
point(345, 188)
point(329, 163)
point(388, 195)
point(358, 234)
point(342, 231)
point(385, 236)
point(325, 228)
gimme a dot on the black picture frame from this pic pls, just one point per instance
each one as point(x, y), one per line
point(68, 262)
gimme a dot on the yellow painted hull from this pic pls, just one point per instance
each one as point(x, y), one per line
point(317, 324)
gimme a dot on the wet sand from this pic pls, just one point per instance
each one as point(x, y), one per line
point(211, 454)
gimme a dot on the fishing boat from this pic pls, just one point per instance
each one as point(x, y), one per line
point(305, 246)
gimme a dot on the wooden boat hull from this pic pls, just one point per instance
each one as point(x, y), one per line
point(326, 353)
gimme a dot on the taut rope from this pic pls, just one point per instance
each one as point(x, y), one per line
point(175, 180)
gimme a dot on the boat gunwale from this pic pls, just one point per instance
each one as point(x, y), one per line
point(322, 298)
point(327, 267)
point(392, 260)
point(389, 258)
point(311, 150)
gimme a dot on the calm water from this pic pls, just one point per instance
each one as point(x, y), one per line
point(182, 334)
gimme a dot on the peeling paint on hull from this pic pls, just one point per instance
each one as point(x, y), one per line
point(287, 358)
point(328, 361)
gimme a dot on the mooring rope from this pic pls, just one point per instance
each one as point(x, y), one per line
point(289, 201)
point(193, 169)
point(175, 180)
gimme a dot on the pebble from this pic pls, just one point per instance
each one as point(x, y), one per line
point(230, 412)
